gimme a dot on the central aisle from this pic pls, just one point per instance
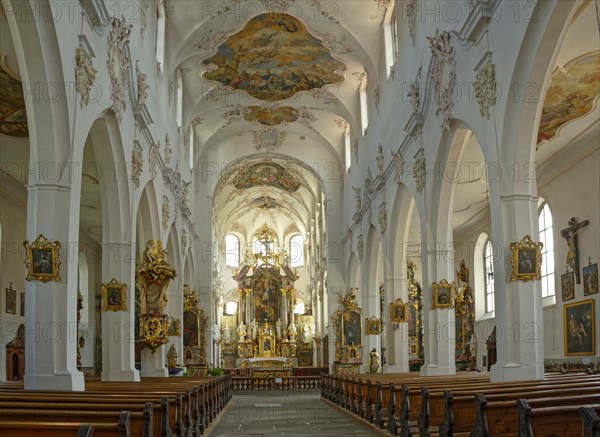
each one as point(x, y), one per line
point(286, 414)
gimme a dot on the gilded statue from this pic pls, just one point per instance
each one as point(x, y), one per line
point(373, 361)
point(172, 357)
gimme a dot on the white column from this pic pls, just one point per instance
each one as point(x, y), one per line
point(398, 353)
point(51, 307)
point(518, 305)
point(438, 324)
point(370, 308)
point(118, 336)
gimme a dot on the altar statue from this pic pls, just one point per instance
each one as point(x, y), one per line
point(172, 357)
point(252, 328)
point(304, 335)
point(241, 332)
point(373, 361)
point(227, 334)
point(278, 329)
point(292, 331)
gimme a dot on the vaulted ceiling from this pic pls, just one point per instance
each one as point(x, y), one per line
point(273, 77)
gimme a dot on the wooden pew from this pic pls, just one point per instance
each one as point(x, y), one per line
point(141, 421)
point(38, 428)
point(563, 420)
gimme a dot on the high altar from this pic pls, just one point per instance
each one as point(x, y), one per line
point(264, 333)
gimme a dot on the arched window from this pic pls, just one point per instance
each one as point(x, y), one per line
point(232, 250)
point(160, 34)
point(364, 106)
point(488, 263)
point(179, 99)
point(191, 147)
point(347, 148)
point(297, 251)
point(391, 39)
point(546, 237)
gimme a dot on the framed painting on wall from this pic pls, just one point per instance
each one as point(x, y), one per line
point(590, 279)
point(11, 300)
point(579, 328)
point(567, 286)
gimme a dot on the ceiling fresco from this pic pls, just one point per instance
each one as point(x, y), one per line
point(266, 173)
point(13, 117)
point(271, 116)
point(274, 57)
point(571, 94)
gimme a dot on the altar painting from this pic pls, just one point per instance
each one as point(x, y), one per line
point(351, 329)
point(266, 299)
point(190, 328)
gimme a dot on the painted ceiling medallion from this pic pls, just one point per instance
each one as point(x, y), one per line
point(13, 118)
point(274, 57)
point(571, 94)
point(266, 173)
point(269, 139)
point(271, 116)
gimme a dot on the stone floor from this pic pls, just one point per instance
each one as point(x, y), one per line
point(286, 414)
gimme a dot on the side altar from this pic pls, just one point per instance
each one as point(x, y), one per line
point(265, 326)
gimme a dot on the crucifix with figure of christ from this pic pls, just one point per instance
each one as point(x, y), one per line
point(570, 234)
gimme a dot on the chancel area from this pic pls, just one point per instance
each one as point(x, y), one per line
point(383, 215)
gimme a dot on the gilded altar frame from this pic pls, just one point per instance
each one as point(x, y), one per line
point(194, 330)
point(267, 344)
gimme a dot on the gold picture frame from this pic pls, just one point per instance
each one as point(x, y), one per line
point(373, 326)
point(579, 328)
point(443, 294)
point(526, 260)
point(42, 259)
point(114, 295)
point(399, 311)
point(174, 329)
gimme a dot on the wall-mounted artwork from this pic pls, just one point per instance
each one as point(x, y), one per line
point(571, 94)
point(579, 328)
point(13, 117)
point(399, 311)
point(443, 294)
point(11, 300)
point(567, 286)
point(274, 57)
point(373, 326)
point(42, 260)
point(114, 296)
point(526, 260)
point(590, 279)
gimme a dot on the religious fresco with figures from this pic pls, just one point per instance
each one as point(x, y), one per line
point(266, 173)
point(13, 119)
point(266, 297)
point(271, 116)
point(571, 94)
point(274, 57)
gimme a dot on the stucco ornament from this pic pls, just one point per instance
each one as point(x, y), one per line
point(144, 16)
point(184, 240)
point(398, 163)
point(168, 150)
point(154, 150)
point(411, 14)
point(137, 166)
point(166, 214)
point(185, 191)
point(359, 247)
point(414, 92)
point(142, 85)
point(85, 74)
point(376, 97)
point(486, 89)
point(380, 159)
point(445, 65)
point(118, 65)
point(419, 168)
point(357, 199)
point(269, 139)
point(382, 218)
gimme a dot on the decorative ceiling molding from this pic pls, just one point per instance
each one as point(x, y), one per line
point(268, 139)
